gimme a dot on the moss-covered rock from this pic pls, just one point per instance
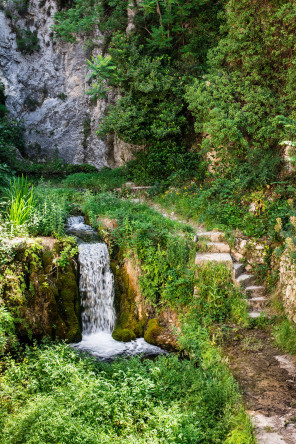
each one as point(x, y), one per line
point(68, 304)
point(123, 334)
point(153, 331)
point(128, 319)
point(44, 299)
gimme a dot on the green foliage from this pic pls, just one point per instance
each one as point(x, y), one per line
point(218, 300)
point(27, 41)
point(38, 210)
point(7, 331)
point(250, 81)
point(55, 167)
point(285, 336)
point(224, 203)
point(76, 399)
point(150, 66)
point(10, 139)
point(50, 214)
point(21, 201)
point(82, 18)
point(68, 251)
point(166, 258)
point(105, 68)
point(104, 180)
point(5, 175)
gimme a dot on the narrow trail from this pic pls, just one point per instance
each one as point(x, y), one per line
point(267, 378)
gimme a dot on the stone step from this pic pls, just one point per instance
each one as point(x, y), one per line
point(257, 303)
point(238, 269)
point(254, 314)
point(218, 247)
point(254, 291)
point(223, 258)
point(245, 280)
point(212, 236)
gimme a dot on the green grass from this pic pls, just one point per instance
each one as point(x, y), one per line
point(285, 336)
point(104, 180)
point(56, 395)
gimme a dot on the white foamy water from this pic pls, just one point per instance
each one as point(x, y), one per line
point(96, 286)
point(104, 347)
point(77, 223)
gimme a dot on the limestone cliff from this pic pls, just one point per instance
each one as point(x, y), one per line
point(45, 84)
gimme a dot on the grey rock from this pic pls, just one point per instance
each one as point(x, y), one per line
point(245, 280)
point(46, 90)
point(218, 247)
point(255, 291)
point(238, 269)
point(213, 257)
point(213, 236)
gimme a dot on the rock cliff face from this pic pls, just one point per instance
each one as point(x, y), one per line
point(45, 84)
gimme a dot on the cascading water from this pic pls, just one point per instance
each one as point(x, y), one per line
point(97, 298)
point(96, 288)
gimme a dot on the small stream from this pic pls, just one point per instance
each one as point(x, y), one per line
point(96, 285)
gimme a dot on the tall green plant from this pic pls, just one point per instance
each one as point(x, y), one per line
point(21, 201)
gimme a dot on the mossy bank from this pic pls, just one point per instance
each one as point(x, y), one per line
point(41, 291)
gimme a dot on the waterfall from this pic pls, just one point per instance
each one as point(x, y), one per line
point(96, 288)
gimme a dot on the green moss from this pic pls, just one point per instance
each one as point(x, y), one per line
point(123, 334)
point(153, 331)
point(68, 304)
point(47, 259)
point(139, 328)
point(125, 294)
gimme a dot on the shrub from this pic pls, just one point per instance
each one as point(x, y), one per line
point(5, 176)
point(104, 180)
point(11, 139)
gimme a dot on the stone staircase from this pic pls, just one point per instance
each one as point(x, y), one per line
point(219, 251)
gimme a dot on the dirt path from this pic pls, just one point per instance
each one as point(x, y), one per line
point(268, 382)
point(266, 377)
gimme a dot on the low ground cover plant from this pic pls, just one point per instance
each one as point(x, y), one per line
point(224, 204)
point(74, 398)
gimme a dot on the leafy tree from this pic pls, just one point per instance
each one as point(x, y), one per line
point(150, 67)
point(250, 80)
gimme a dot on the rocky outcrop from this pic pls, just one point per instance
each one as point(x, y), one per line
point(42, 297)
point(45, 84)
